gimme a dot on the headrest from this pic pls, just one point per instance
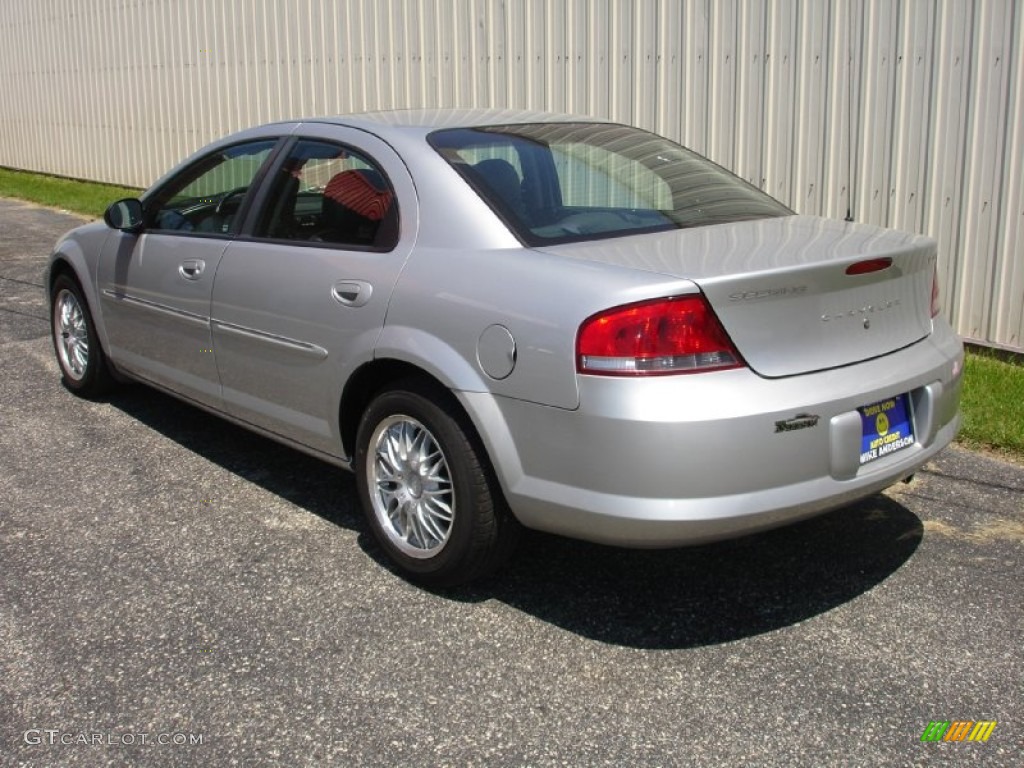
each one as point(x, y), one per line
point(362, 191)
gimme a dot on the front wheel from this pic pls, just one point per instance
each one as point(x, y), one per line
point(427, 491)
point(83, 365)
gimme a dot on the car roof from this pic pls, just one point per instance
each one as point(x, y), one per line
point(423, 121)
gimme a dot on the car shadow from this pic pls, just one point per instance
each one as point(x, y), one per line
point(710, 594)
point(652, 599)
point(307, 482)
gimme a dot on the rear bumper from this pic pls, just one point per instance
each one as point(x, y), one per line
point(674, 460)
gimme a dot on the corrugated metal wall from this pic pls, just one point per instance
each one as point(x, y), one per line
point(907, 111)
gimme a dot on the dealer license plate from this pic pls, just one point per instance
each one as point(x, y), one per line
point(886, 427)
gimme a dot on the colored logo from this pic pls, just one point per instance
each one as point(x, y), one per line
point(958, 730)
point(882, 423)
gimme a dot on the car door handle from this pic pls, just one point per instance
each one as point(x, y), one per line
point(351, 293)
point(191, 269)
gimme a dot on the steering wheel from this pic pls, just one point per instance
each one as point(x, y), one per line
point(230, 194)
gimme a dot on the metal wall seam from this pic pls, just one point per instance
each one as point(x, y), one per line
point(750, 92)
point(623, 60)
point(645, 82)
point(385, 62)
point(949, 137)
point(550, 73)
point(912, 111)
point(722, 89)
point(17, 113)
point(578, 49)
point(307, 55)
point(670, 81)
point(810, 118)
point(874, 137)
point(836, 160)
point(216, 57)
point(84, 72)
point(601, 53)
point(1009, 290)
point(695, 75)
point(781, 102)
point(986, 135)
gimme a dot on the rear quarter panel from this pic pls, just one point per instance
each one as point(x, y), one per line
point(447, 297)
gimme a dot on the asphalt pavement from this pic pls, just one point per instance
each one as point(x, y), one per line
point(175, 591)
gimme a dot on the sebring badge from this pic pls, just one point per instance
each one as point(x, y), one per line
point(768, 293)
point(800, 421)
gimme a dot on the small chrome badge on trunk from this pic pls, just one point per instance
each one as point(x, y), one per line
point(800, 421)
point(768, 293)
point(864, 311)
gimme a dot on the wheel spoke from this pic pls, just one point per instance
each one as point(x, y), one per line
point(389, 497)
point(390, 454)
point(387, 469)
point(438, 505)
point(418, 536)
point(432, 523)
point(397, 515)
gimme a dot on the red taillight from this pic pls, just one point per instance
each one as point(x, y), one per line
point(936, 306)
point(679, 335)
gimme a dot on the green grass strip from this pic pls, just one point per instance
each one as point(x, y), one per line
point(993, 404)
point(87, 198)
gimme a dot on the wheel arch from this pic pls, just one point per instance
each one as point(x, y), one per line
point(62, 263)
point(488, 543)
point(71, 260)
point(376, 376)
point(479, 411)
point(60, 266)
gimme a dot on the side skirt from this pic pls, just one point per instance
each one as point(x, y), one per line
point(338, 461)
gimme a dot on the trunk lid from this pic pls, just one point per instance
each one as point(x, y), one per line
point(781, 289)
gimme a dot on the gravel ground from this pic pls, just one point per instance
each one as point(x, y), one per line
point(165, 576)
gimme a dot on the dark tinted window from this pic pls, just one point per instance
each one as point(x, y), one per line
point(206, 198)
point(328, 193)
point(561, 182)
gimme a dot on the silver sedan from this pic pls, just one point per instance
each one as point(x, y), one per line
point(506, 319)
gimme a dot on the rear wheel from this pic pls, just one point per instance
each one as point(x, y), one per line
point(83, 365)
point(427, 491)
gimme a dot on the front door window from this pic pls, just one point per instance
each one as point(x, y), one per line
point(208, 196)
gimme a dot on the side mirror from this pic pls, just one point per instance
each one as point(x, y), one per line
point(126, 215)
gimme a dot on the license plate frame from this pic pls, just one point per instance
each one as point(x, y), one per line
point(887, 427)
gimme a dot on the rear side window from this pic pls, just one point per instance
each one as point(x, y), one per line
point(327, 193)
point(565, 182)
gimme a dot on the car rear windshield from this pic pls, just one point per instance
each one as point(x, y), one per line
point(566, 182)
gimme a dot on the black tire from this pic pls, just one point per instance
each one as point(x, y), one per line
point(481, 532)
point(83, 365)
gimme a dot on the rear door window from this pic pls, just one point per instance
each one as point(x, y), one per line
point(330, 194)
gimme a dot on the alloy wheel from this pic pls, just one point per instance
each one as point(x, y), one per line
point(410, 486)
point(72, 335)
